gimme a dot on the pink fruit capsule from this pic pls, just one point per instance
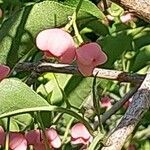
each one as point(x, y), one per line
point(105, 102)
point(1, 13)
point(80, 134)
point(88, 57)
point(126, 18)
point(4, 71)
point(17, 141)
point(58, 43)
point(36, 138)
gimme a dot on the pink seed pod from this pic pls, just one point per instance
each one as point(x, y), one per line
point(53, 137)
point(2, 136)
point(105, 102)
point(17, 141)
point(110, 18)
point(36, 138)
point(40, 146)
point(4, 71)
point(58, 43)
point(80, 134)
point(126, 18)
point(33, 137)
point(132, 147)
point(88, 57)
point(1, 13)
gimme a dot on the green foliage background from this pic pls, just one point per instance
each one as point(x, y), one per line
point(126, 45)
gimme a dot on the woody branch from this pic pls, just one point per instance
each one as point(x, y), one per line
point(140, 104)
point(72, 69)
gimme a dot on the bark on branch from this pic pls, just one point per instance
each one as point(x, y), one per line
point(140, 104)
point(72, 69)
point(141, 8)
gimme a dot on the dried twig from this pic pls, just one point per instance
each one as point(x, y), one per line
point(119, 104)
point(72, 69)
point(139, 105)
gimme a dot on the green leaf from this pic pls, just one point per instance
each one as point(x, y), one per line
point(119, 42)
point(15, 41)
point(145, 145)
point(142, 38)
point(13, 125)
point(87, 6)
point(115, 10)
point(23, 120)
point(57, 15)
point(98, 27)
point(52, 88)
point(114, 45)
point(16, 95)
point(78, 89)
point(142, 59)
point(18, 122)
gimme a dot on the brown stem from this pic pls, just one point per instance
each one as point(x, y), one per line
point(119, 104)
point(139, 105)
point(71, 69)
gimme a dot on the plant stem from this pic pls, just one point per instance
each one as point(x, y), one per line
point(74, 15)
point(95, 141)
point(79, 6)
point(57, 118)
point(73, 23)
point(63, 93)
point(97, 105)
point(105, 5)
point(77, 32)
point(127, 70)
point(43, 67)
point(67, 130)
point(42, 127)
point(7, 134)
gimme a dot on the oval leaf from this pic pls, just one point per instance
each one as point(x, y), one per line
point(16, 95)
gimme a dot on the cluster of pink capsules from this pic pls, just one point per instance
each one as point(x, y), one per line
point(39, 139)
point(59, 44)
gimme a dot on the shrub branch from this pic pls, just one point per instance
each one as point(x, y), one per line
point(139, 105)
point(42, 67)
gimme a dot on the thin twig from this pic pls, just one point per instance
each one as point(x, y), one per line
point(31, 79)
point(72, 69)
point(119, 104)
point(96, 105)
